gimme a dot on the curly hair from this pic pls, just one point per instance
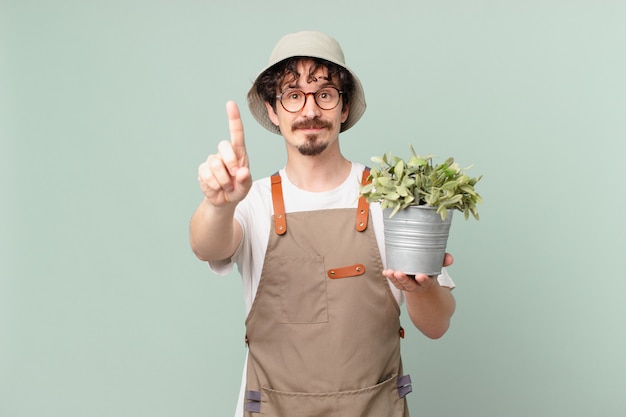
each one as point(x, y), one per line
point(268, 82)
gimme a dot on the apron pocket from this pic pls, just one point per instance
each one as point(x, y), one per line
point(380, 400)
point(303, 294)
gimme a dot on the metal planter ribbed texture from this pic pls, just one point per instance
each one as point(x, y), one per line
point(416, 239)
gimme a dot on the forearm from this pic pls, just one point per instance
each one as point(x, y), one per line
point(213, 232)
point(431, 310)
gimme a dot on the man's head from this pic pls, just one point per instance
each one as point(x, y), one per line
point(324, 62)
point(286, 73)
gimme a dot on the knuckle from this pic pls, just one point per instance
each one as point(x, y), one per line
point(214, 162)
point(225, 147)
point(204, 173)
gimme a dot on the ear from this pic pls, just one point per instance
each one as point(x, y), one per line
point(271, 113)
point(345, 110)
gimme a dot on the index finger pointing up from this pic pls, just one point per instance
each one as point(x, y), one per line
point(235, 126)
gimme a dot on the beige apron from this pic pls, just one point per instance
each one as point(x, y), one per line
point(324, 332)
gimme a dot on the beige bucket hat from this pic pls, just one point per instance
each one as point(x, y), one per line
point(307, 44)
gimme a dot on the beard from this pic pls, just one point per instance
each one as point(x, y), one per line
point(312, 146)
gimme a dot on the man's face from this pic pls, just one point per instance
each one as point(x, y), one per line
point(311, 129)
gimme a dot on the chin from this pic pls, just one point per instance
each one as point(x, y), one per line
point(312, 150)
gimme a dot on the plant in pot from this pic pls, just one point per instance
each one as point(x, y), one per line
point(418, 199)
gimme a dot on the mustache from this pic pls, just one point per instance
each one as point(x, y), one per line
point(308, 124)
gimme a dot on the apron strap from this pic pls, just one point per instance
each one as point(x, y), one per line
point(280, 220)
point(253, 401)
point(404, 386)
point(363, 208)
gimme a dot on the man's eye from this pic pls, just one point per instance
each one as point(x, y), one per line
point(292, 95)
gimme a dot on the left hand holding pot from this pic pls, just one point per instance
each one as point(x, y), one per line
point(415, 283)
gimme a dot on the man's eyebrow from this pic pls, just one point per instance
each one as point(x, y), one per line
point(294, 85)
point(289, 85)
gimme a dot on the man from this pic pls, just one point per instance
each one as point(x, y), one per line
point(322, 325)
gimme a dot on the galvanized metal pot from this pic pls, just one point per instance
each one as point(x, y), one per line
point(416, 239)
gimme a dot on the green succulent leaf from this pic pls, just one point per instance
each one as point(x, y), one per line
point(393, 196)
point(386, 182)
point(399, 170)
point(467, 189)
point(450, 185)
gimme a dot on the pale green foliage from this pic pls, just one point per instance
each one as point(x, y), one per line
point(398, 183)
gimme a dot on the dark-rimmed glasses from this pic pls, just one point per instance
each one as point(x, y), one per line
point(326, 98)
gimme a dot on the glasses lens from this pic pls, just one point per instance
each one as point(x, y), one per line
point(327, 98)
point(292, 100)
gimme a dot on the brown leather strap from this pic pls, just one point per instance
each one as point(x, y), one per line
point(346, 271)
point(280, 220)
point(363, 208)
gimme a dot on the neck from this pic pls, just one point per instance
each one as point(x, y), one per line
point(323, 172)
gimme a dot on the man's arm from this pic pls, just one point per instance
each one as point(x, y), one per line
point(214, 234)
point(225, 180)
point(431, 310)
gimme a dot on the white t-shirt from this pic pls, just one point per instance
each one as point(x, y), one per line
point(254, 214)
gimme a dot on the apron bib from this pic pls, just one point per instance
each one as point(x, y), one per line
point(323, 332)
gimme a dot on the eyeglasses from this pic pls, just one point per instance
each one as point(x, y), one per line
point(326, 98)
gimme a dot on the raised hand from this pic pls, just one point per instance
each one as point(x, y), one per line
point(225, 176)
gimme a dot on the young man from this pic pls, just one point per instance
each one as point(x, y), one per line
point(322, 325)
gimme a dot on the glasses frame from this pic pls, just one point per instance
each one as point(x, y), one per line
point(306, 96)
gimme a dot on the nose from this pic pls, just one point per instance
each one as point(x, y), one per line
point(310, 108)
